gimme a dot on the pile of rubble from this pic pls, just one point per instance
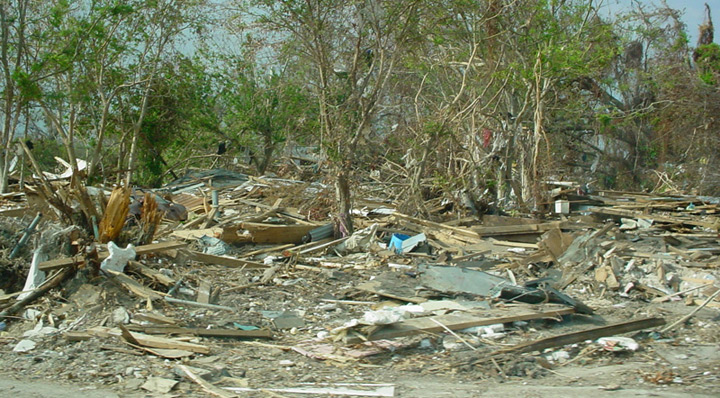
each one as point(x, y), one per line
point(219, 280)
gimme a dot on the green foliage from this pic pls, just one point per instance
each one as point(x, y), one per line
point(708, 60)
point(44, 150)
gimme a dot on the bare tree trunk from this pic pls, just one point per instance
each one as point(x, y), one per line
point(95, 158)
point(136, 134)
point(344, 203)
point(7, 132)
point(268, 149)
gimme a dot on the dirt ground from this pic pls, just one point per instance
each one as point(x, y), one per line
point(685, 364)
point(617, 380)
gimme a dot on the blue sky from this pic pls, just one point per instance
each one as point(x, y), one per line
point(694, 10)
point(693, 15)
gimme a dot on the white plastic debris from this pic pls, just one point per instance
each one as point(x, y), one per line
point(24, 346)
point(214, 246)
point(35, 277)
point(40, 330)
point(359, 241)
point(387, 316)
point(269, 260)
point(426, 343)
point(118, 258)
point(32, 314)
point(558, 356)
point(616, 344)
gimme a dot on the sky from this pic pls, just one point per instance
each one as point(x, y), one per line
point(694, 13)
point(692, 17)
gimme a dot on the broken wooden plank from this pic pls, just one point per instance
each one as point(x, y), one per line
point(207, 387)
point(204, 292)
point(267, 233)
point(134, 286)
point(229, 262)
point(515, 244)
point(150, 341)
point(140, 250)
point(456, 230)
point(458, 321)
point(202, 332)
point(192, 234)
point(655, 217)
point(77, 336)
point(491, 220)
point(518, 229)
point(297, 217)
point(157, 276)
point(154, 318)
point(577, 337)
point(268, 250)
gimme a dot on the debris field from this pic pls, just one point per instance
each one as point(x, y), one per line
point(222, 284)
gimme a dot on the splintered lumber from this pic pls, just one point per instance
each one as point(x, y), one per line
point(442, 227)
point(499, 221)
point(464, 320)
point(154, 318)
point(268, 250)
point(115, 215)
point(150, 219)
point(202, 332)
point(229, 262)
point(518, 229)
point(150, 341)
point(590, 334)
point(655, 217)
point(140, 250)
point(77, 336)
point(267, 233)
point(207, 387)
point(134, 286)
point(192, 234)
point(157, 276)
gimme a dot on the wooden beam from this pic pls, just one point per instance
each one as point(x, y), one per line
point(134, 286)
point(77, 260)
point(226, 261)
point(202, 332)
point(157, 276)
point(150, 341)
point(655, 217)
point(518, 229)
point(267, 233)
point(591, 334)
point(465, 320)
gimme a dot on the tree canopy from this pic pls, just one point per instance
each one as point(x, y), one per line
point(486, 97)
